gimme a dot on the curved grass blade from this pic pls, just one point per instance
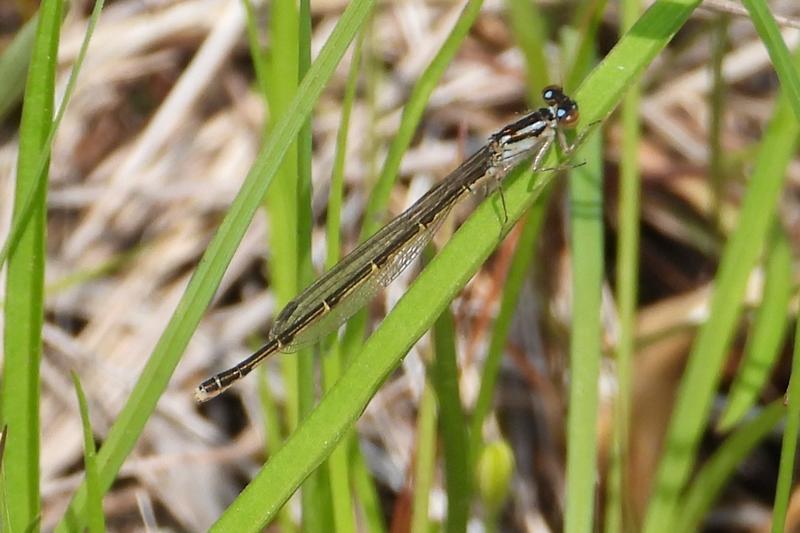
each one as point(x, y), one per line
point(94, 498)
point(453, 428)
point(789, 444)
point(24, 302)
point(785, 67)
point(13, 65)
point(23, 214)
point(720, 467)
point(412, 113)
point(767, 335)
point(156, 373)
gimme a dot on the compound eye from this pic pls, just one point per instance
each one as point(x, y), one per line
point(569, 118)
point(551, 94)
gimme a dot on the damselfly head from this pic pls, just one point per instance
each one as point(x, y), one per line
point(562, 106)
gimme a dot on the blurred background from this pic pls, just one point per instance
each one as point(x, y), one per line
point(167, 119)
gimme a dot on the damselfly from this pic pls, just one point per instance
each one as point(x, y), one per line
point(345, 288)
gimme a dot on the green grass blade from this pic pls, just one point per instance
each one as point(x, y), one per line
point(304, 155)
point(271, 414)
point(341, 497)
point(372, 512)
point(4, 519)
point(528, 28)
point(204, 282)
point(711, 345)
point(785, 67)
point(94, 494)
point(425, 464)
point(24, 302)
point(339, 462)
point(586, 215)
point(317, 496)
point(627, 284)
point(716, 98)
point(452, 424)
point(522, 17)
point(437, 285)
point(630, 56)
point(22, 214)
point(583, 40)
point(336, 194)
point(282, 200)
point(14, 64)
point(512, 287)
point(283, 203)
point(412, 113)
point(258, 53)
point(789, 445)
point(289, 209)
point(273, 437)
point(766, 338)
point(718, 469)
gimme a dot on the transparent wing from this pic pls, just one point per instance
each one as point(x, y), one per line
point(360, 294)
point(429, 210)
